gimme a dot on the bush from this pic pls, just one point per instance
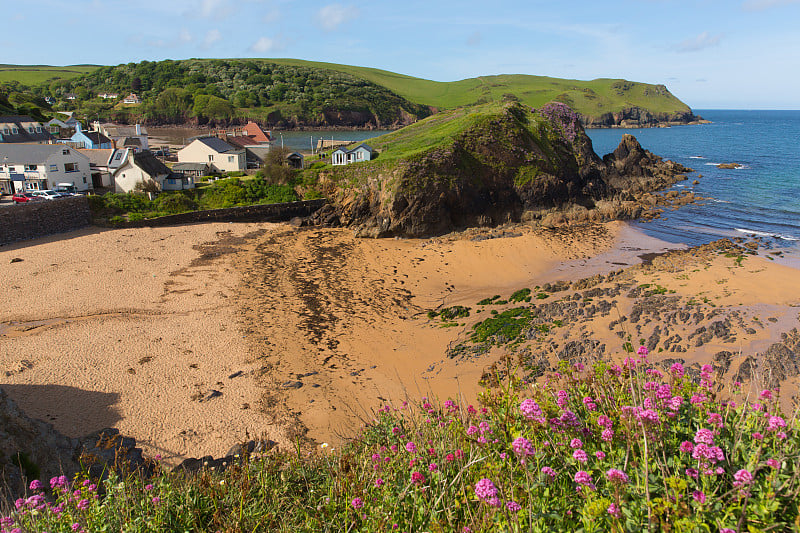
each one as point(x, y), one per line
point(175, 203)
point(606, 448)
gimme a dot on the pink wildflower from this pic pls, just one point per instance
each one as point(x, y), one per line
point(604, 421)
point(699, 496)
point(704, 436)
point(379, 482)
point(36, 485)
point(614, 510)
point(485, 489)
point(757, 436)
point(357, 503)
point(522, 446)
point(580, 456)
point(513, 506)
point(418, 477)
point(743, 477)
point(600, 455)
point(411, 447)
point(773, 463)
point(576, 443)
point(530, 409)
point(549, 471)
point(617, 476)
point(677, 370)
point(432, 467)
point(607, 435)
point(775, 423)
point(83, 504)
point(642, 351)
point(449, 457)
point(472, 430)
point(583, 477)
point(686, 446)
point(766, 394)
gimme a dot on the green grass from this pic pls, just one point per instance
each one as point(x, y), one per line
point(40, 74)
point(592, 97)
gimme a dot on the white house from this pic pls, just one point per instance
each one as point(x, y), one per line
point(33, 167)
point(361, 153)
point(132, 99)
point(142, 167)
point(217, 153)
point(103, 163)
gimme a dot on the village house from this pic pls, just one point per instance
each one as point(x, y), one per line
point(34, 167)
point(295, 160)
point(219, 154)
point(68, 126)
point(108, 96)
point(143, 167)
point(251, 129)
point(89, 139)
point(23, 129)
point(103, 163)
point(194, 170)
point(341, 156)
point(132, 99)
point(133, 137)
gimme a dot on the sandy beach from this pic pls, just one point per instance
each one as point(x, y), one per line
point(193, 338)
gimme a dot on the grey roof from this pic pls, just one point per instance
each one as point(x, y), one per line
point(362, 145)
point(98, 157)
point(218, 145)
point(117, 130)
point(22, 135)
point(31, 154)
point(190, 166)
point(118, 158)
point(149, 164)
point(97, 138)
point(132, 141)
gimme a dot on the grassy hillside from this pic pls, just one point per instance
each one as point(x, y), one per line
point(40, 74)
point(593, 97)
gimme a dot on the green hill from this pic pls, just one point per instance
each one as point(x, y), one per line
point(292, 92)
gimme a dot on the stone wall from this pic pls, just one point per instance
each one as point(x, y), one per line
point(38, 219)
point(249, 213)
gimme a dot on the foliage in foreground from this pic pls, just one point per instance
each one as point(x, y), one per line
point(610, 448)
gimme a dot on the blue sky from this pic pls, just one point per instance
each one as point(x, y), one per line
point(710, 53)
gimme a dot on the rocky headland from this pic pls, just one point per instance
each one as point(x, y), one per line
point(492, 165)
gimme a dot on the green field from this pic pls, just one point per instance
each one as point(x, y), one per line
point(593, 97)
point(38, 74)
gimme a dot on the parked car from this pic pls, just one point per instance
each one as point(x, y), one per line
point(66, 189)
point(24, 197)
point(46, 194)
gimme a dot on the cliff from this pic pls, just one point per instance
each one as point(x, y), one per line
point(483, 166)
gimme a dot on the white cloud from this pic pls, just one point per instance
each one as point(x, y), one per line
point(701, 42)
point(266, 44)
point(474, 39)
point(761, 5)
point(212, 37)
point(332, 16)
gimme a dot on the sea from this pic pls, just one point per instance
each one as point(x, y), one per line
point(761, 198)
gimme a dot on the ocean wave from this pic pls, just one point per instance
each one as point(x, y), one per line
point(718, 201)
point(767, 234)
point(696, 157)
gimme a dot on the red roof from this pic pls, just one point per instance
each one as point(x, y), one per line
point(242, 141)
point(254, 130)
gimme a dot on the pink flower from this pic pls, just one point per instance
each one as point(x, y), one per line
point(583, 477)
point(677, 370)
point(642, 351)
point(379, 482)
point(472, 430)
point(743, 477)
point(36, 485)
point(513, 506)
point(485, 489)
point(449, 457)
point(699, 496)
point(600, 455)
point(576, 443)
point(607, 435)
point(549, 471)
point(617, 476)
point(357, 503)
point(418, 477)
point(83, 504)
point(686, 446)
point(766, 394)
point(715, 419)
point(775, 423)
point(773, 463)
point(580, 456)
point(757, 436)
point(411, 447)
point(155, 500)
point(432, 467)
point(704, 436)
point(614, 510)
point(530, 409)
point(522, 447)
point(726, 530)
point(604, 421)
point(562, 399)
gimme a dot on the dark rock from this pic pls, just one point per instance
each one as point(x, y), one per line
point(292, 384)
point(16, 260)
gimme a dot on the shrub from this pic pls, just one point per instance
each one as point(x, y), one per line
point(607, 448)
point(175, 203)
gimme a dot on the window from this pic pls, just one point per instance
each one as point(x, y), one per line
point(210, 157)
point(30, 168)
point(38, 129)
point(84, 179)
point(30, 129)
point(230, 159)
point(118, 156)
point(65, 151)
point(5, 131)
point(70, 167)
point(54, 168)
point(171, 181)
point(14, 130)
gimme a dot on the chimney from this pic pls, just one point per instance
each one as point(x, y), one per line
point(138, 129)
point(77, 127)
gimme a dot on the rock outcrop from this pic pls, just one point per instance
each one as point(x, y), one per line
point(508, 164)
point(637, 117)
point(32, 449)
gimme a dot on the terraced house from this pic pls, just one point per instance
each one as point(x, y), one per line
point(34, 167)
point(23, 129)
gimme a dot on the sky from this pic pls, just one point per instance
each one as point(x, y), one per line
point(712, 54)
